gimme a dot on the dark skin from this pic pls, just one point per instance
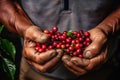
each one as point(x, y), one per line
point(18, 22)
point(96, 54)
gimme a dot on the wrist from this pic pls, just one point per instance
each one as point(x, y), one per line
point(22, 23)
point(111, 24)
point(13, 17)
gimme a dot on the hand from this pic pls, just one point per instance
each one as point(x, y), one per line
point(94, 55)
point(41, 61)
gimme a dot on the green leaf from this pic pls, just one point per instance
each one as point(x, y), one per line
point(69, 33)
point(8, 47)
point(9, 68)
point(1, 28)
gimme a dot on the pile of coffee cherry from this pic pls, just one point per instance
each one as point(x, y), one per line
point(71, 42)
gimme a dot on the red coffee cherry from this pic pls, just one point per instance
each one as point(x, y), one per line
point(73, 43)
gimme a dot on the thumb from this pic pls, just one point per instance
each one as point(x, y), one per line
point(34, 33)
point(95, 48)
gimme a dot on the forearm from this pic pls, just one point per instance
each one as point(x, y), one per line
point(13, 17)
point(111, 23)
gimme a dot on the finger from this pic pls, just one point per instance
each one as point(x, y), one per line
point(80, 61)
point(48, 65)
point(74, 71)
point(29, 43)
point(59, 52)
point(72, 66)
point(54, 60)
point(37, 57)
point(66, 59)
point(97, 61)
point(36, 34)
point(98, 40)
point(58, 57)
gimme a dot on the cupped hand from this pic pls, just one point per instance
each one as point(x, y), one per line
point(41, 61)
point(95, 54)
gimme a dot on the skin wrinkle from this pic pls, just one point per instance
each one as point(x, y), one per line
point(32, 44)
point(24, 25)
point(101, 58)
point(40, 68)
point(78, 73)
point(42, 61)
point(12, 20)
point(18, 13)
point(76, 68)
point(80, 62)
point(52, 61)
point(111, 22)
point(40, 38)
point(95, 47)
point(27, 20)
point(69, 65)
point(31, 56)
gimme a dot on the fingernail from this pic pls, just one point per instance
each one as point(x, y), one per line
point(87, 54)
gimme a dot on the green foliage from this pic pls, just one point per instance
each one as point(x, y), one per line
point(9, 68)
point(8, 48)
point(1, 28)
point(69, 33)
point(7, 56)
